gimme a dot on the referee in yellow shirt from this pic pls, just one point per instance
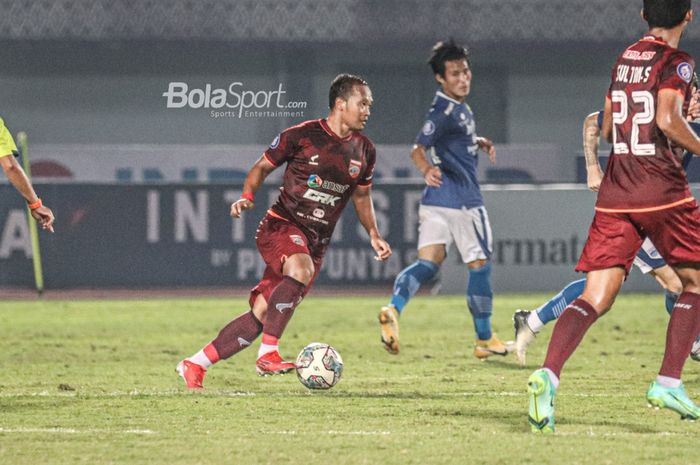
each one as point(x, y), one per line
point(16, 175)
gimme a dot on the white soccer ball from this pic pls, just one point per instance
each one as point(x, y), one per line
point(319, 366)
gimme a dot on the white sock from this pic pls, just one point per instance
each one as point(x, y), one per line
point(266, 348)
point(534, 322)
point(201, 359)
point(665, 381)
point(552, 377)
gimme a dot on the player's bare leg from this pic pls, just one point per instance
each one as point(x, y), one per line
point(298, 270)
point(667, 390)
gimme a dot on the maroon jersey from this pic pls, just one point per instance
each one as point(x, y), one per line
point(644, 170)
point(322, 172)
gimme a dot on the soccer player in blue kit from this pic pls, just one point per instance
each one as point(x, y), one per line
point(452, 208)
point(529, 323)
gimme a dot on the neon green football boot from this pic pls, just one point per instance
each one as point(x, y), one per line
point(541, 392)
point(673, 398)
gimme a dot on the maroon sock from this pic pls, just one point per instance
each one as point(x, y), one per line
point(682, 331)
point(280, 308)
point(568, 332)
point(237, 335)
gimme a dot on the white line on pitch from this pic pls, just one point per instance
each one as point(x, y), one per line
point(76, 431)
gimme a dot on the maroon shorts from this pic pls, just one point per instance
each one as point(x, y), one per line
point(614, 238)
point(278, 239)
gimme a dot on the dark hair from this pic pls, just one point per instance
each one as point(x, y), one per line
point(341, 87)
point(446, 51)
point(665, 13)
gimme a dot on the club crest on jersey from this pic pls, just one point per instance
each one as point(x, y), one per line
point(275, 142)
point(354, 168)
point(685, 71)
point(314, 181)
point(319, 213)
point(296, 239)
point(428, 128)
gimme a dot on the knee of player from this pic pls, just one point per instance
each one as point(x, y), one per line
point(302, 273)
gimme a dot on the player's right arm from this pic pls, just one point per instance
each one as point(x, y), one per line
point(591, 137)
point(431, 174)
point(255, 178)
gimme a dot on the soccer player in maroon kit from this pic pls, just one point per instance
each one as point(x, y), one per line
point(644, 192)
point(329, 162)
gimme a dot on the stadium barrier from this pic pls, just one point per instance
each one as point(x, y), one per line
point(180, 235)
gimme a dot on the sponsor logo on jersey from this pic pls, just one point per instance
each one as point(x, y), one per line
point(314, 181)
point(354, 168)
point(428, 128)
point(321, 197)
point(297, 239)
point(636, 55)
point(319, 213)
point(313, 160)
point(275, 142)
point(685, 71)
point(683, 306)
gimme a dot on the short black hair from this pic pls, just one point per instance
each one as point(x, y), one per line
point(665, 13)
point(446, 51)
point(342, 87)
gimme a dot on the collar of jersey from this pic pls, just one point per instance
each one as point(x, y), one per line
point(653, 38)
point(443, 95)
point(330, 132)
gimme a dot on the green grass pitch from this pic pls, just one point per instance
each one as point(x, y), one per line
point(94, 383)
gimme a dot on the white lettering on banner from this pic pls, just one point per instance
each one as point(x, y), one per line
point(237, 224)
point(189, 217)
point(411, 200)
point(536, 251)
point(347, 264)
point(220, 257)
point(249, 264)
point(153, 216)
point(381, 205)
point(15, 235)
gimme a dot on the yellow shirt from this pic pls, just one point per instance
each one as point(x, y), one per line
point(7, 143)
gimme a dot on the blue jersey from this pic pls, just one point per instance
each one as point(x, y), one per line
point(449, 133)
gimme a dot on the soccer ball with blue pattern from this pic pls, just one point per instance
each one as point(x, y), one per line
point(319, 366)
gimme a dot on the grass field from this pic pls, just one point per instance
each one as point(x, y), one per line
point(94, 383)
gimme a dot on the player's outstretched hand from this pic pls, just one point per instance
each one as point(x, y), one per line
point(44, 216)
point(487, 146)
point(239, 205)
point(433, 177)
point(595, 176)
point(382, 248)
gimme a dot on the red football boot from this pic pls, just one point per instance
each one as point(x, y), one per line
point(271, 363)
point(192, 373)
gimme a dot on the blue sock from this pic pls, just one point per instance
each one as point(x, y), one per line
point(410, 280)
point(671, 298)
point(553, 308)
point(480, 300)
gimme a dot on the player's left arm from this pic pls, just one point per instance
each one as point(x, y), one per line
point(362, 200)
point(670, 119)
point(487, 146)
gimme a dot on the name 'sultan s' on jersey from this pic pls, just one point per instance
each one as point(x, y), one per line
point(322, 172)
point(644, 170)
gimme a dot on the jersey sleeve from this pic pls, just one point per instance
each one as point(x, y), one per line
point(367, 176)
point(7, 143)
point(432, 127)
point(600, 119)
point(677, 73)
point(283, 147)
